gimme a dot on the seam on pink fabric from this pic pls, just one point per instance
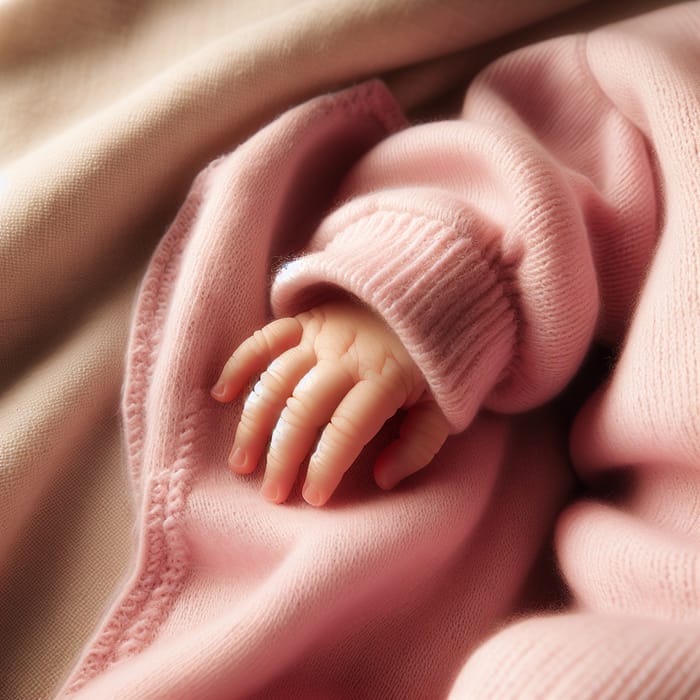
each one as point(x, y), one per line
point(133, 626)
point(151, 312)
point(372, 99)
point(148, 331)
point(168, 550)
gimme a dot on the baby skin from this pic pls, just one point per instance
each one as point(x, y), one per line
point(337, 370)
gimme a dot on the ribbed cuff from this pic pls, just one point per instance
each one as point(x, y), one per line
point(430, 267)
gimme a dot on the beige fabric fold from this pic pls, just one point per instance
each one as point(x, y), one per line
point(107, 111)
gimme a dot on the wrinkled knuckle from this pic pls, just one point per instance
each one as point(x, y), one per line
point(390, 366)
point(313, 321)
point(318, 313)
point(393, 372)
point(275, 449)
point(248, 422)
point(423, 452)
point(295, 413)
point(259, 396)
point(261, 341)
point(348, 348)
point(391, 369)
point(304, 317)
point(306, 387)
point(272, 381)
point(345, 430)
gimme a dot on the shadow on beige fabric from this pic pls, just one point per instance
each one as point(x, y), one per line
point(109, 109)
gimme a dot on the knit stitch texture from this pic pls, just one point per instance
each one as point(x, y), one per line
point(560, 210)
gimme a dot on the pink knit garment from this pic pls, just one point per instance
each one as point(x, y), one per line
point(563, 207)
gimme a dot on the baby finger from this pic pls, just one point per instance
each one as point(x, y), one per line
point(263, 406)
point(422, 433)
point(254, 354)
point(310, 407)
point(358, 418)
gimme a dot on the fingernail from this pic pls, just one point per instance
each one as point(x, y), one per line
point(237, 459)
point(270, 491)
point(384, 483)
point(312, 495)
point(218, 390)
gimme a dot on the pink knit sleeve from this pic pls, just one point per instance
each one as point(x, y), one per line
point(497, 245)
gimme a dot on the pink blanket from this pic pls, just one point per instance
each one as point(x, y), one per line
point(578, 164)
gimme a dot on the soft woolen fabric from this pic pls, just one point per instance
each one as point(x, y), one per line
point(108, 109)
point(560, 210)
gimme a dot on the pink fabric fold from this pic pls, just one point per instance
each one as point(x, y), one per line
point(560, 209)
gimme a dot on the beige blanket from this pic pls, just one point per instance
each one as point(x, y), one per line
point(107, 111)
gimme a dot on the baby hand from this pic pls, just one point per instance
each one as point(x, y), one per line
point(338, 369)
